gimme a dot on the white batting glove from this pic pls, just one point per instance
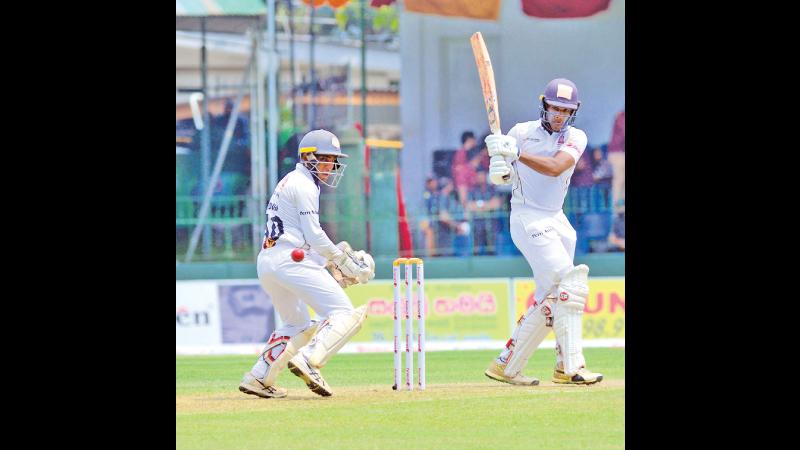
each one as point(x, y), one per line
point(499, 169)
point(502, 145)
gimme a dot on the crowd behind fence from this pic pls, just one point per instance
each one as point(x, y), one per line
point(231, 219)
point(461, 213)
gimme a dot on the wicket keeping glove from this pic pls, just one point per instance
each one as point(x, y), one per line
point(358, 266)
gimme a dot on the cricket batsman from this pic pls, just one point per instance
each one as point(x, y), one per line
point(299, 266)
point(540, 157)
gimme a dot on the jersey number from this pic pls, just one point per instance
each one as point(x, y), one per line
point(273, 232)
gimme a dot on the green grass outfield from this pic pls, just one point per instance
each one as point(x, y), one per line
point(460, 409)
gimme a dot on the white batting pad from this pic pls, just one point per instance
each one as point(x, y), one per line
point(567, 324)
point(293, 346)
point(333, 335)
point(530, 332)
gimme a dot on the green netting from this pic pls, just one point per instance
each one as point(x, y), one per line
point(343, 209)
point(347, 213)
point(383, 202)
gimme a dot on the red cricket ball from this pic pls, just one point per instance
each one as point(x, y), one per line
point(298, 254)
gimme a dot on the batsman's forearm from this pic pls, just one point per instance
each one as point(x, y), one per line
point(545, 165)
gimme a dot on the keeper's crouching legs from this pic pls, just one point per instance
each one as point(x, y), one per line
point(331, 336)
point(260, 380)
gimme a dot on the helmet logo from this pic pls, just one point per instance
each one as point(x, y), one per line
point(335, 142)
point(564, 91)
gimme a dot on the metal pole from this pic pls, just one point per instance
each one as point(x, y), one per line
point(349, 93)
point(291, 57)
point(312, 117)
point(364, 67)
point(262, 145)
point(274, 123)
point(205, 143)
point(223, 151)
point(255, 200)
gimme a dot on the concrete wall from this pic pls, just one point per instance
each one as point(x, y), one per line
point(440, 90)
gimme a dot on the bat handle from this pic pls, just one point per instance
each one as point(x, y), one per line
point(505, 177)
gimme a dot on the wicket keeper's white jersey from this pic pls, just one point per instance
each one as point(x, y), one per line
point(532, 188)
point(293, 215)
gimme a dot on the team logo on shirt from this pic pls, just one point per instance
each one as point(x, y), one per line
point(563, 296)
point(560, 140)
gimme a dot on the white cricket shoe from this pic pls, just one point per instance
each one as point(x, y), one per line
point(251, 385)
point(312, 377)
point(496, 372)
point(582, 376)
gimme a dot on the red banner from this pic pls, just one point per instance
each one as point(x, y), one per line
point(563, 9)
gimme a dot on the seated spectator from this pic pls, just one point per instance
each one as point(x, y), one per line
point(504, 244)
point(580, 185)
point(483, 206)
point(616, 239)
point(616, 156)
point(602, 173)
point(454, 229)
point(429, 223)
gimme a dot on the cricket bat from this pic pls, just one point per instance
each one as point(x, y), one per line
point(486, 74)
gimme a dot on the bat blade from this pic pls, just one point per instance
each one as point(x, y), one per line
point(486, 74)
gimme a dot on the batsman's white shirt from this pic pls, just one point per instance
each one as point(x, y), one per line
point(292, 222)
point(532, 188)
point(539, 228)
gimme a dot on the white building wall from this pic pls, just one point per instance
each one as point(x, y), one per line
point(440, 90)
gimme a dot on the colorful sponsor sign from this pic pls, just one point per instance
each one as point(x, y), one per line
point(603, 315)
point(197, 318)
point(455, 310)
point(246, 311)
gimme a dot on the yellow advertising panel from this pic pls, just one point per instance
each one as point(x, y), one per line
point(456, 309)
point(603, 315)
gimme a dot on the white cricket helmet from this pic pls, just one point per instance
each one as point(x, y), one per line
point(322, 142)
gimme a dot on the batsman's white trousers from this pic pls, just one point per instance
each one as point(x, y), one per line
point(293, 286)
point(547, 240)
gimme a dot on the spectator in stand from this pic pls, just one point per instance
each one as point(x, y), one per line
point(454, 229)
point(463, 169)
point(617, 237)
point(602, 173)
point(467, 142)
point(481, 149)
point(430, 223)
point(616, 156)
point(581, 183)
point(483, 206)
